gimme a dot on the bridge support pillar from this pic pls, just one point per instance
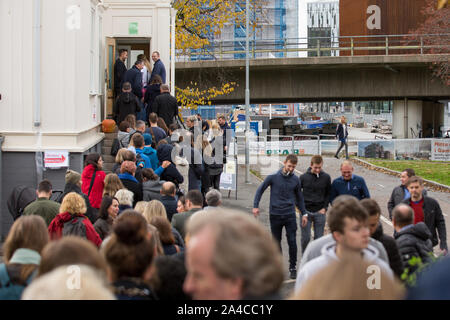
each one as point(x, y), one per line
point(416, 119)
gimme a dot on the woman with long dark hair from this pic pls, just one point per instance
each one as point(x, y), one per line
point(107, 214)
point(93, 179)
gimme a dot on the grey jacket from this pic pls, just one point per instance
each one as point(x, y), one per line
point(151, 189)
point(397, 197)
point(314, 249)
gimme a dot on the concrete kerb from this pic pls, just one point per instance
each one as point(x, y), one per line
point(435, 186)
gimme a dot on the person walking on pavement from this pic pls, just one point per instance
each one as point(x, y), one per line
point(134, 77)
point(285, 195)
point(119, 72)
point(158, 67)
point(401, 192)
point(316, 187)
point(165, 105)
point(413, 240)
point(349, 183)
point(341, 135)
point(427, 210)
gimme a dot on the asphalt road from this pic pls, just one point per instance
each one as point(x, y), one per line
point(380, 187)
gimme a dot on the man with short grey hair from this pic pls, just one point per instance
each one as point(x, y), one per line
point(231, 256)
point(165, 105)
point(213, 199)
point(140, 126)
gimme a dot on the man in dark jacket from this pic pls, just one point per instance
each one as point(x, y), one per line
point(427, 210)
point(316, 186)
point(401, 193)
point(119, 71)
point(171, 173)
point(127, 103)
point(285, 195)
point(158, 67)
point(349, 183)
point(222, 121)
point(165, 106)
point(413, 240)
point(194, 203)
point(168, 191)
point(376, 232)
point(134, 76)
point(73, 184)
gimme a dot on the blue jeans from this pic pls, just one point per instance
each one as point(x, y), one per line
point(289, 221)
point(316, 218)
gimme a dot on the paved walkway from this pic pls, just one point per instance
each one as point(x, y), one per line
point(380, 186)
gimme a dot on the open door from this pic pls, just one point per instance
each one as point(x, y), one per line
point(110, 60)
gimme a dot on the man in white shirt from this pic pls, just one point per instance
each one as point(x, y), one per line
point(348, 222)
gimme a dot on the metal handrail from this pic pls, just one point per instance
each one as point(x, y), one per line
point(387, 44)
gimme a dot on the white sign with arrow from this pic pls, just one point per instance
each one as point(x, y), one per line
point(56, 158)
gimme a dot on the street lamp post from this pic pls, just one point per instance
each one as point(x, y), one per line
point(247, 94)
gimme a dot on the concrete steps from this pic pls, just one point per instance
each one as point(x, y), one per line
point(106, 152)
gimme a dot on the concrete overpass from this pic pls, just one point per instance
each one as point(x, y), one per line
point(351, 78)
point(405, 79)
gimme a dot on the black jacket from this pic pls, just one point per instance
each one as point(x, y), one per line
point(126, 103)
point(340, 132)
point(119, 71)
point(134, 187)
point(166, 107)
point(134, 76)
point(170, 203)
point(395, 261)
point(434, 220)
point(90, 213)
point(171, 173)
point(397, 196)
point(150, 95)
point(316, 190)
point(414, 241)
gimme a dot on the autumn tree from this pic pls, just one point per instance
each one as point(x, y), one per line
point(197, 23)
point(437, 24)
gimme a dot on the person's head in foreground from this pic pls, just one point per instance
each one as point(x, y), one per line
point(351, 278)
point(70, 282)
point(230, 256)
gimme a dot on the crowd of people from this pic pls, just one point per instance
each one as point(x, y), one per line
point(155, 228)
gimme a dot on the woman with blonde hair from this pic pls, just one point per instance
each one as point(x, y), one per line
point(155, 208)
point(341, 135)
point(140, 206)
point(72, 221)
point(125, 198)
point(22, 255)
point(112, 184)
point(146, 71)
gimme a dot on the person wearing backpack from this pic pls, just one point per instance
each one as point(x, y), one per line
point(73, 184)
point(22, 255)
point(93, 179)
point(72, 221)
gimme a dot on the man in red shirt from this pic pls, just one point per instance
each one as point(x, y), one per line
point(427, 210)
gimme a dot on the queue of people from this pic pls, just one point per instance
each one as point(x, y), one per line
point(174, 246)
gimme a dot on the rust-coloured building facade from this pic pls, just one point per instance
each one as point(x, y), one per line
point(395, 17)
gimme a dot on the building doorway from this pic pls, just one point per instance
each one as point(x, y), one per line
point(135, 46)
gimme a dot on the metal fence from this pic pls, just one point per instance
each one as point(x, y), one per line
point(321, 46)
point(392, 149)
